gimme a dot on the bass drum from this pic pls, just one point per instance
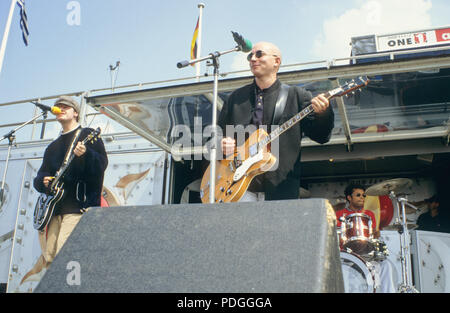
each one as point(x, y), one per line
point(358, 275)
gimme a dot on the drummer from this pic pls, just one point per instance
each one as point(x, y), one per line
point(355, 196)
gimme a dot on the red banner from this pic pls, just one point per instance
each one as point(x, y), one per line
point(443, 34)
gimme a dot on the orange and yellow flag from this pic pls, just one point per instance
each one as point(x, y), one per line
point(194, 43)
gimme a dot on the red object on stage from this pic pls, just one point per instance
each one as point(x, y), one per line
point(103, 202)
point(386, 211)
point(371, 129)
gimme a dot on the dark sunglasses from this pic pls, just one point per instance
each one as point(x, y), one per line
point(359, 195)
point(258, 54)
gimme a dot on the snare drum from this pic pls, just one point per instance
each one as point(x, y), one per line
point(358, 275)
point(379, 253)
point(356, 233)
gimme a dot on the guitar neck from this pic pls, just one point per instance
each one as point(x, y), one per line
point(291, 122)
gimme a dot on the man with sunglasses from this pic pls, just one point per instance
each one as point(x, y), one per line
point(355, 196)
point(254, 105)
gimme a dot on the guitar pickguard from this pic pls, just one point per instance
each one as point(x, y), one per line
point(241, 170)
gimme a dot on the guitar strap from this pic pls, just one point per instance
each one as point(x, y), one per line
point(281, 103)
point(69, 150)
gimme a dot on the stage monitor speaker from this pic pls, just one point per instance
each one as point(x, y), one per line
point(262, 247)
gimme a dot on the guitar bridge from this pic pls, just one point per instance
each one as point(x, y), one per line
point(237, 162)
point(232, 165)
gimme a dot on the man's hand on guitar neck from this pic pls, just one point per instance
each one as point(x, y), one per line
point(80, 149)
point(228, 146)
point(47, 180)
point(320, 103)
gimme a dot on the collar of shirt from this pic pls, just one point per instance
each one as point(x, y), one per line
point(271, 89)
point(351, 211)
point(263, 97)
point(70, 131)
point(260, 94)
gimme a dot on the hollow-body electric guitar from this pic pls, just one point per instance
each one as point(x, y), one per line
point(46, 203)
point(234, 174)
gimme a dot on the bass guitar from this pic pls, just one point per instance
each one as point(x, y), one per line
point(234, 174)
point(46, 203)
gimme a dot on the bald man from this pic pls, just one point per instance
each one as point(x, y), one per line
point(254, 105)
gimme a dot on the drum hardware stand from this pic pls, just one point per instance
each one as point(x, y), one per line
point(406, 286)
point(11, 138)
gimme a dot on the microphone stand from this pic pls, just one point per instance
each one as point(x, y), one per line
point(11, 136)
point(213, 156)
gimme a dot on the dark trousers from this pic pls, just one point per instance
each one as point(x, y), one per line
point(287, 190)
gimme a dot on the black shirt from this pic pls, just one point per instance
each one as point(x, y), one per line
point(438, 223)
point(258, 107)
point(85, 174)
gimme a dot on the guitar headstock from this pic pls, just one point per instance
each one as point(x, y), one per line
point(349, 87)
point(93, 136)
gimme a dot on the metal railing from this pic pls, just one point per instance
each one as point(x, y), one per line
point(322, 69)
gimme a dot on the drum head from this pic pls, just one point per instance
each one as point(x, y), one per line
point(358, 277)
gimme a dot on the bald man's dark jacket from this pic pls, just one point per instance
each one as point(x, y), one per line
point(284, 182)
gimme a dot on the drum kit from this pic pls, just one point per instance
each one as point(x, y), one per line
point(359, 247)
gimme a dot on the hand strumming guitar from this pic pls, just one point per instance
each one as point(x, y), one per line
point(228, 146)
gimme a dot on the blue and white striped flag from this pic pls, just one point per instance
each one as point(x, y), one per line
point(23, 21)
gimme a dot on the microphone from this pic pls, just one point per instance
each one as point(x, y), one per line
point(46, 108)
point(56, 110)
point(244, 45)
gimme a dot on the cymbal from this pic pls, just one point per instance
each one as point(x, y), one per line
point(384, 188)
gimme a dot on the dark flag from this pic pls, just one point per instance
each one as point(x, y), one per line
point(23, 21)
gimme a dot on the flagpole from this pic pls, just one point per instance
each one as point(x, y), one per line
point(6, 33)
point(199, 41)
